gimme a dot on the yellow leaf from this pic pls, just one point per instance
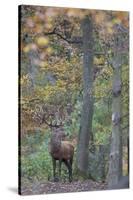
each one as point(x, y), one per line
point(49, 50)
point(42, 41)
point(29, 47)
point(48, 26)
point(43, 64)
point(26, 49)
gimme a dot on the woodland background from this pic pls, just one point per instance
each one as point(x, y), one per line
point(52, 85)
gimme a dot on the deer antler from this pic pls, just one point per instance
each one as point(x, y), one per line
point(42, 115)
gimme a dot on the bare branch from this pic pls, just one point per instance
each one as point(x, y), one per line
point(74, 40)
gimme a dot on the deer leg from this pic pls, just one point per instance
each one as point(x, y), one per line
point(70, 172)
point(69, 166)
point(54, 167)
point(71, 162)
point(60, 162)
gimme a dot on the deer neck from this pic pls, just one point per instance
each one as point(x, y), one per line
point(55, 145)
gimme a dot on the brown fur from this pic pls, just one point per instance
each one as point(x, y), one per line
point(65, 151)
point(62, 151)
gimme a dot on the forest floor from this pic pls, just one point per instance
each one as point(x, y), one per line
point(59, 187)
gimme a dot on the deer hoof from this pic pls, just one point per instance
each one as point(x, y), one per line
point(56, 179)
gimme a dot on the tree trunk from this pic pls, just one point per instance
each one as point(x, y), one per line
point(101, 160)
point(128, 154)
point(115, 160)
point(87, 110)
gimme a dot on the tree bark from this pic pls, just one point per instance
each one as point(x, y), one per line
point(87, 110)
point(115, 160)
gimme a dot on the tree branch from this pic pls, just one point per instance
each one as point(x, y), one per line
point(75, 40)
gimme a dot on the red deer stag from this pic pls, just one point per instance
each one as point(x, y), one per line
point(59, 149)
point(62, 151)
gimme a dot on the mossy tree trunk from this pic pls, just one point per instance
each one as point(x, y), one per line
point(87, 110)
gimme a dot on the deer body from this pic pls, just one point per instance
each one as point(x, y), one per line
point(62, 151)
